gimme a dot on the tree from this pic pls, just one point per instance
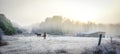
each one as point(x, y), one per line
point(6, 25)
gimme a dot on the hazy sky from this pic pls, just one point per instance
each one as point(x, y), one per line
point(26, 12)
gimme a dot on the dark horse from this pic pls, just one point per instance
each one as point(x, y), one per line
point(38, 34)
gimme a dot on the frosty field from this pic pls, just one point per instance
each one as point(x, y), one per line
point(20, 44)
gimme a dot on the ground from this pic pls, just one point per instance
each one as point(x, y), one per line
point(20, 44)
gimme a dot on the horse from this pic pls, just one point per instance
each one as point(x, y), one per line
point(38, 34)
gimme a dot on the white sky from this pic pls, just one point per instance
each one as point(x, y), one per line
point(27, 12)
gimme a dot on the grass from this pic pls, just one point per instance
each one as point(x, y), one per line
point(108, 48)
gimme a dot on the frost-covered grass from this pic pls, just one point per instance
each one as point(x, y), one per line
point(51, 45)
point(107, 48)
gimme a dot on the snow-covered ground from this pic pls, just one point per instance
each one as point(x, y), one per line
point(52, 45)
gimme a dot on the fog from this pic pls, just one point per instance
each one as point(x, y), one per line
point(61, 25)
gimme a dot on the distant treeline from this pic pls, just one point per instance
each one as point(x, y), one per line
point(59, 25)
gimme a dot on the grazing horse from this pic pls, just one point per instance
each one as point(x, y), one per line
point(38, 34)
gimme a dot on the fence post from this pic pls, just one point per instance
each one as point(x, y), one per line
point(0, 35)
point(100, 38)
point(111, 40)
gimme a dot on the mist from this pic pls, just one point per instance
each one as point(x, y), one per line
point(58, 25)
